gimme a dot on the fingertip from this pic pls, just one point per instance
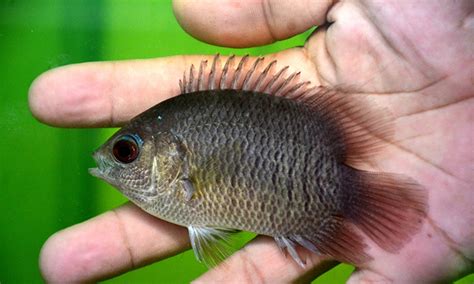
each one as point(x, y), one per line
point(37, 88)
point(66, 96)
point(79, 253)
point(56, 259)
point(46, 265)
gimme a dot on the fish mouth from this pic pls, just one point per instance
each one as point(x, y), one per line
point(96, 172)
point(101, 170)
point(104, 175)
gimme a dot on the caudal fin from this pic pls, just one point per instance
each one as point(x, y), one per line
point(388, 208)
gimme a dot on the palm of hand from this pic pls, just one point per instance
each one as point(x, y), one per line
point(431, 98)
point(375, 54)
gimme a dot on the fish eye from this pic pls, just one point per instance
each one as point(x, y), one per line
point(126, 149)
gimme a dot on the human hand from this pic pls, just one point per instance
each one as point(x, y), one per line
point(414, 58)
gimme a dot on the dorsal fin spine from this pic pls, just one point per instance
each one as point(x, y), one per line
point(212, 74)
point(200, 82)
point(238, 71)
point(281, 89)
point(223, 80)
point(269, 86)
point(263, 75)
point(293, 92)
point(191, 79)
point(248, 76)
point(184, 82)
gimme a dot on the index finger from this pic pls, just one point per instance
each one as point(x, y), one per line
point(111, 93)
point(104, 93)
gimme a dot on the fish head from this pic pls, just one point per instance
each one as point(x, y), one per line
point(143, 160)
point(128, 162)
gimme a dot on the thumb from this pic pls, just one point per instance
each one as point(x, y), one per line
point(248, 23)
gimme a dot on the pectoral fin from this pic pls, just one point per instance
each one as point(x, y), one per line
point(188, 189)
point(211, 245)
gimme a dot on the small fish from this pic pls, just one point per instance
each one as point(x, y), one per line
point(246, 147)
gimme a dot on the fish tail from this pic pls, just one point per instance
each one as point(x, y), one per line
point(388, 208)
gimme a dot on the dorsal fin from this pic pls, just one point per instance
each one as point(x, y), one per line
point(248, 75)
point(362, 128)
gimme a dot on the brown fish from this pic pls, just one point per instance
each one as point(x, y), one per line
point(245, 147)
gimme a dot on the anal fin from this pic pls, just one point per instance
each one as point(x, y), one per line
point(289, 244)
point(343, 243)
point(338, 241)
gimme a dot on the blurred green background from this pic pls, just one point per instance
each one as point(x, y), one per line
point(44, 184)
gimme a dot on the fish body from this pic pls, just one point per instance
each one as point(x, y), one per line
point(251, 167)
point(274, 160)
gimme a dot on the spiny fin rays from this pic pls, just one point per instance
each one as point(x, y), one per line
point(289, 244)
point(249, 74)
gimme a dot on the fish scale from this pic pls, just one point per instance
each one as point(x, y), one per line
point(247, 147)
point(261, 173)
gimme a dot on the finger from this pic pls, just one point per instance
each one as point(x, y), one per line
point(248, 23)
point(108, 245)
point(261, 261)
point(110, 93)
point(104, 93)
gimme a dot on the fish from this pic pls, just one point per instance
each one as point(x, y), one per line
point(246, 146)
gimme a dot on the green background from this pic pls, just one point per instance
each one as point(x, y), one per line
point(44, 184)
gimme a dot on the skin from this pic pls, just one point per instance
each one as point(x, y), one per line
point(412, 57)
